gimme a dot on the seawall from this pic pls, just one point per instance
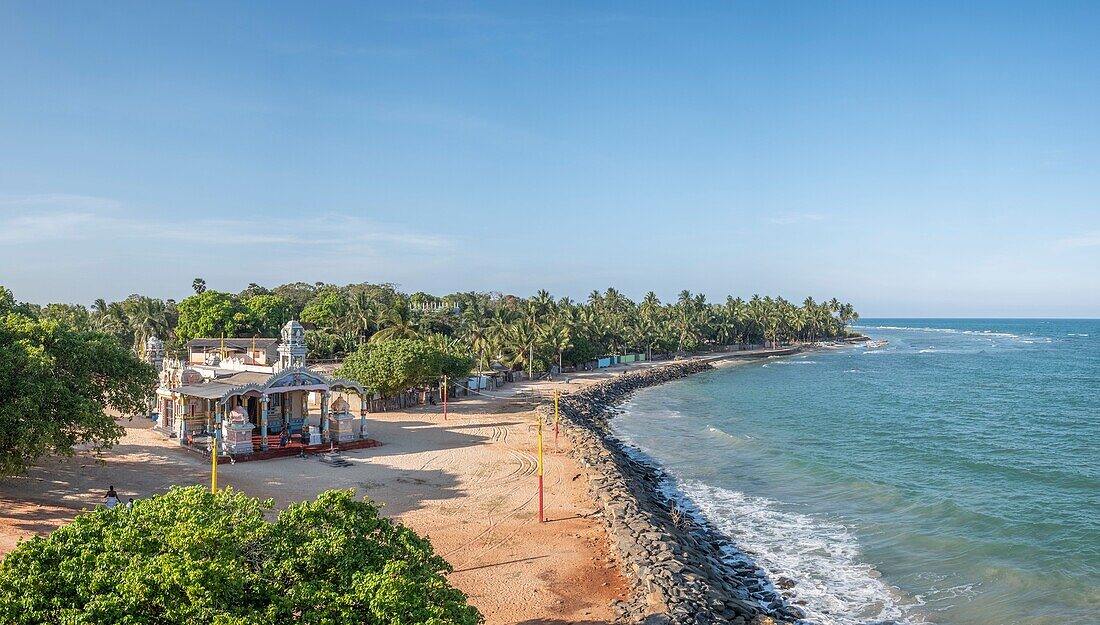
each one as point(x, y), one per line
point(681, 569)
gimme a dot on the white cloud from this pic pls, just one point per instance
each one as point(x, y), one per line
point(75, 248)
point(53, 218)
point(796, 218)
point(1089, 239)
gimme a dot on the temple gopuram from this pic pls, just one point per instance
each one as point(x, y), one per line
point(258, 394)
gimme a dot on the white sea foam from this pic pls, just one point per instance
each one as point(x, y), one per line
point(796, 362)
point(930, 350)
point(1072, 334)
point(832, 583)
point(943, 330)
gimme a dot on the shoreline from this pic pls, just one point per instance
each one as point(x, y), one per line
point(681, 568)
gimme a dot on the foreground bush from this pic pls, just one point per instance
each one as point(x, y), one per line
point(192, 557)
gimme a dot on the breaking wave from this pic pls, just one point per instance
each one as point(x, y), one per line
point(822, 558)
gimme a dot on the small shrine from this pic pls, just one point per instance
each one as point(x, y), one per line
point(259, 402)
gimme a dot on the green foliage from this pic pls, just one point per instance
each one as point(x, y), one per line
point(191, 556)
point(55, 382)
point(389, 367)
point(270, 313)
point(582, 351)
point(325, 309)
point(73, 315)
point(323, 345)
point(211, 314)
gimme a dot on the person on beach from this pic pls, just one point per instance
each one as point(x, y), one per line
point(112, 497)
point(130, 503)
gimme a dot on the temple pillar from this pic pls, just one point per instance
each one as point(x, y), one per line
point(362, 416)
point(324, 417)
point(263, 423)
point(219, 412)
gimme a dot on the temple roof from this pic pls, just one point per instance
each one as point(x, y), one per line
point(208, 390)
point(241, 378)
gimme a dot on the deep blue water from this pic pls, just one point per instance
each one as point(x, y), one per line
point(951, 476)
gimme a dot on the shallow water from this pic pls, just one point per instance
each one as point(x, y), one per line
point(952, 476)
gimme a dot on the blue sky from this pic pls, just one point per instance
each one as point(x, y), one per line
point(915, 159)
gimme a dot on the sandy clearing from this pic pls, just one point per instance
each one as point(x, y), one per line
point(468, 484)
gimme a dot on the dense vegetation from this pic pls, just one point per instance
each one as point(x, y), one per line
point(522, 333)
point(191, 556)
point(393, 341)
point(56, 380)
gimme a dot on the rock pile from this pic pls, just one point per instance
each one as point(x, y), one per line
point(681, 569)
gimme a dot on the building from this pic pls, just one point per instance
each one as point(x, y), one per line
point(256, 393)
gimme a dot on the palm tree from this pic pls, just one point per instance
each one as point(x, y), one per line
point(395, 322)
point(558, 336)
point(146, 318)
point(362, 316)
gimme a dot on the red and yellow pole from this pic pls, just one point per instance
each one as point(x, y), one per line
point(541, 517)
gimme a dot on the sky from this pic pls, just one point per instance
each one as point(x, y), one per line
point(914, 159)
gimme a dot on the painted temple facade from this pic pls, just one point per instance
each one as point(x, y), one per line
point(253, 395)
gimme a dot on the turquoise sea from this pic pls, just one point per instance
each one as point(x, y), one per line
point(951, 476)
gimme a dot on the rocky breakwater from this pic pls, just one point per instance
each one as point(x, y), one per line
point(681, 569)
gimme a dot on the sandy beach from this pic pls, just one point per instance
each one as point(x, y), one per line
point(468, 483)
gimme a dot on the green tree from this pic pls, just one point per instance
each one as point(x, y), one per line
point(199, 285)
point(56, 383)
point(73, 315)
point(391, 367)
point(212, 314)
point(191, 556)
point(326, 310)
point(146, 317)
point(395, 322)
point(270, 313)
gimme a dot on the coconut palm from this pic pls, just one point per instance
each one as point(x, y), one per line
point(395, 322)
point(146, 318)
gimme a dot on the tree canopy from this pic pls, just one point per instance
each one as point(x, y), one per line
point(522, 333)
point(212, 314)
point(389, 367)
point(269, 313)
point(191, 556)
point(56, 383)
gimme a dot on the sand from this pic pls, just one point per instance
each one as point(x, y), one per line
point(468, 483)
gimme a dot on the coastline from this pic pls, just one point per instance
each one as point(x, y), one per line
point(465, 482)
point(681, 569)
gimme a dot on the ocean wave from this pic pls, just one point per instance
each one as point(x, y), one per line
point(796, 362)
point(930, 350)
point(725, 434)
point(943, 330)
point(832, 583)
point(1073, 334)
